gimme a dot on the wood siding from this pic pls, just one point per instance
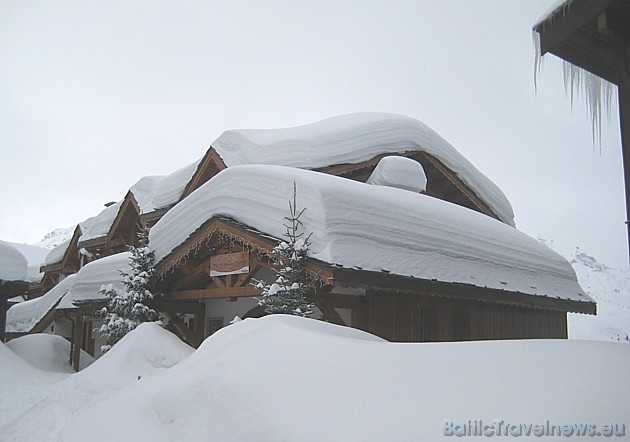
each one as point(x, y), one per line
point(404, 317)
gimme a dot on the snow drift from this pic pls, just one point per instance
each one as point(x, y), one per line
point(47, 352)
point(288, 378)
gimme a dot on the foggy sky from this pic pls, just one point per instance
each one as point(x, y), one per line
point(95, 95)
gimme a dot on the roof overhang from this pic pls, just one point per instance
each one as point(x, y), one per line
point(389, 282)
point(590, 34)
point(9, 289)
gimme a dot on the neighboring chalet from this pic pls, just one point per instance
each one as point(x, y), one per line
point(410, 241)
point(13, 279)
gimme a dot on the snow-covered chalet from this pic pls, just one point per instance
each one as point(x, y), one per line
point(409, 240)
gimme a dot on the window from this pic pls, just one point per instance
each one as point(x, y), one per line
point(214, 324)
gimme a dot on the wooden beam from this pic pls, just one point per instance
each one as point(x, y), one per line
point(624, 117)
point(214, 293)
point(77, 341)
point(200, 269)
point(564, 25)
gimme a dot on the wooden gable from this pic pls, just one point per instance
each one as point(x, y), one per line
point(67, 266)
point(210, 165)
point(442, 183)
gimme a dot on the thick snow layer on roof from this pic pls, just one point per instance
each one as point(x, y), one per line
point(99, 226)
point(351, 139)
point(22, 317)
point(35, 257)
point(56, 255)
point(375, 228)
point(143, 192)
point(168, 191)
point(95, 275)
point(156, 192)
point(399, 172)
point(13, 264)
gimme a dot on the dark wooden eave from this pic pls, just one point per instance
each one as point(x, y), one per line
point(389, 282)
point(9, 289)
point(590, 34)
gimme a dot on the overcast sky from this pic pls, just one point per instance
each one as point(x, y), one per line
point(95, 95)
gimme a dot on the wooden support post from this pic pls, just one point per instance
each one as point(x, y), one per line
point(624, 120)
point(77, 341)
point(199, 325)
point(3, 317)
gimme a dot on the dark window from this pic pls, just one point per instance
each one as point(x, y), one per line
point(214, 324)
point(461, 326)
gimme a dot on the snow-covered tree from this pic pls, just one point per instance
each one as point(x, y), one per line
point(293, 290)
point(130, 306)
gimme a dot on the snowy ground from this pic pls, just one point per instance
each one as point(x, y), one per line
point(283, 378)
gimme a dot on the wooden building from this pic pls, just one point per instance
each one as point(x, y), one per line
point(437, 259)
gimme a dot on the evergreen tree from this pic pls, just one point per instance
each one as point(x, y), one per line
point(130, 306)
point(293, 290)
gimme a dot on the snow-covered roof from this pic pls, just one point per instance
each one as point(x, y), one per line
point(375, 228)
point(168, 191)
point(22, 317)
point(35, 257)
point(56, 255)
point(13, 264)
point(93, 276)
point(99, 226)
point(156, 192)
point(352, 139)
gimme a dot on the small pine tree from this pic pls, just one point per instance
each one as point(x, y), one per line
point(293, 290)
point(129, 307)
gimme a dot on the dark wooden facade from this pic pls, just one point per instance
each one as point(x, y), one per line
point(408, 317)
point(399, 309)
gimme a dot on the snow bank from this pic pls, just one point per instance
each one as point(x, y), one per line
point(99, 225)
point(93, 276)
point(279, 378)
point(13, 264)
point(375, 228)
point(145, 351)
point(400, 172)
point(22, 317)
point(47, 352)
point(351, 139)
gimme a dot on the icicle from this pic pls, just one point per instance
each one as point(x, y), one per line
point(597, 92)
point(538, 59)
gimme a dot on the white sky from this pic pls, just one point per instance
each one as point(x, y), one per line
point(95, 95)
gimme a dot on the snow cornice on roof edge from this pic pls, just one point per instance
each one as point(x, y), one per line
point(376, 229)
point(351, 139)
